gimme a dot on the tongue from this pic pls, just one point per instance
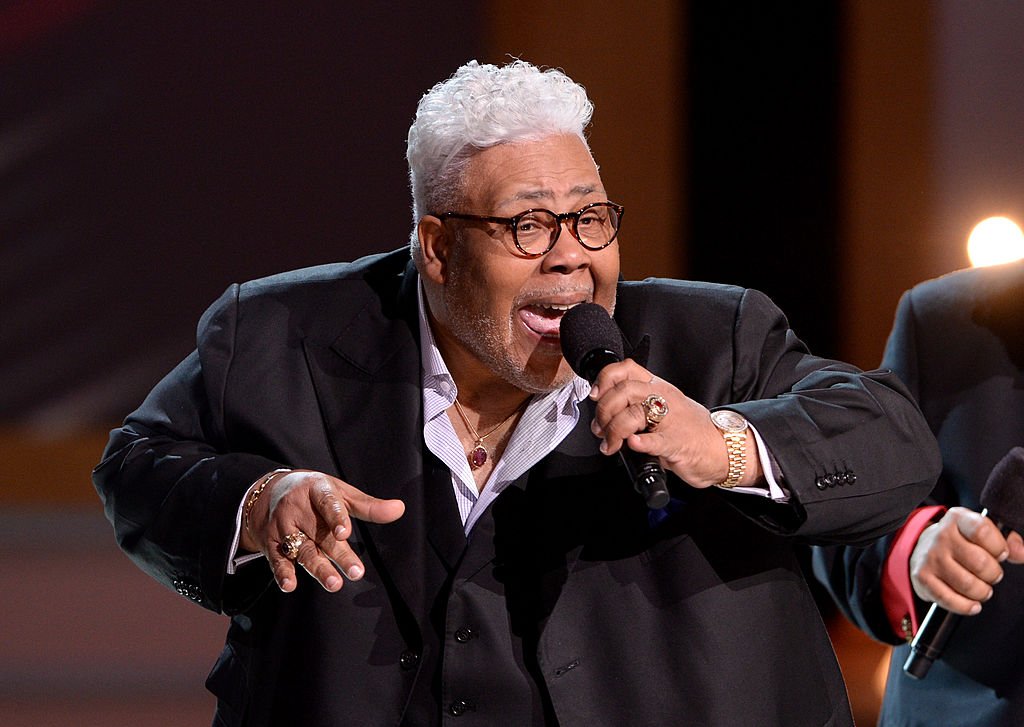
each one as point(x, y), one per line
point(541, 320)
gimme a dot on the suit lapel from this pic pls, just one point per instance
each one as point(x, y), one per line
point(368, 385)
point(446, 533)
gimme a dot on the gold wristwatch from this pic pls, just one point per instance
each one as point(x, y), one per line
point(734, 428)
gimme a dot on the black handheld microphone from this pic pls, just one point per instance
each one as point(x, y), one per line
point(590, 341)
point(1003, 497)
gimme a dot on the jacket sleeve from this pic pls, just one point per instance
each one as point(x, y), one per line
point(169, 484)
point(852, 446)
point(853, 576)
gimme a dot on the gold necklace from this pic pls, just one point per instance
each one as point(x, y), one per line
point(478, 455)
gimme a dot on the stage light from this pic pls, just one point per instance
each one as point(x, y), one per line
point(994, 241)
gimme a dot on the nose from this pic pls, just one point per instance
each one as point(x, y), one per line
point(568, 255)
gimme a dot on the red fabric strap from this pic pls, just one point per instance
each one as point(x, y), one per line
point(897, 591)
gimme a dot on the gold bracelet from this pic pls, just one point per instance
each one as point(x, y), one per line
point(257, 491)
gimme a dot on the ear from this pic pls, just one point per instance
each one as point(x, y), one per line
point(434, 245)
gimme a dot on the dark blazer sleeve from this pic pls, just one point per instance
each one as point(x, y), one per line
point(168, 482)
point(957, 342)
point(853, 575)
point(854, 451)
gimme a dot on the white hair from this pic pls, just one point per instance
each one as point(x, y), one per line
point(482, 106)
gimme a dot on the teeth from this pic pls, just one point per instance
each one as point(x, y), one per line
point(560, 308)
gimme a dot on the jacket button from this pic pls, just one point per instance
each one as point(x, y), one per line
point(408, 660)
point(188, 589)
point(459, 708)
point(465, 634)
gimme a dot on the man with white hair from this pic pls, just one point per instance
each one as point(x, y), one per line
point(400, 447)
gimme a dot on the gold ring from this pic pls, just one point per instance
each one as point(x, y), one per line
point(291, 544)
point(655, 409)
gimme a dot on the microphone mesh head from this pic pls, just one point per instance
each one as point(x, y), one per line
point(1003, 494)
point(585, 328)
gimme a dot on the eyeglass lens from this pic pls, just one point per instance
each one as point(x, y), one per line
point(595, 226)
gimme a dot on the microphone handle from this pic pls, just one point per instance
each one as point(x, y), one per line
point(930, 641)
point(644, 470)
point(647, 476)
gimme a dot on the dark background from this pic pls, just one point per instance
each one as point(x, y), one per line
point(162, 151)
point(159, 153)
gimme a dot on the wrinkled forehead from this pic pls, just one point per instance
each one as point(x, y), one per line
point(542, 172)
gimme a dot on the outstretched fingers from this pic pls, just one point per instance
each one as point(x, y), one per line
point(371, 509)
point(353, 504)
point(309, 525)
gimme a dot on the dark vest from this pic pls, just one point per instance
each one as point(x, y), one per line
point(477, 663)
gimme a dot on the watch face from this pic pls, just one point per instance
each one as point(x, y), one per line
point(728, 420)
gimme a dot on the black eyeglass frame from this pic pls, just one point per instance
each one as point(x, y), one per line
point(513, 223)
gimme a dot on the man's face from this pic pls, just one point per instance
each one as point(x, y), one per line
point(501, 311)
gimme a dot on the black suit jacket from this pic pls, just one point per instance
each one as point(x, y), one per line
point(958, 342)
point(697, 615)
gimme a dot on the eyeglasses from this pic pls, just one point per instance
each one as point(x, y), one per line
point(535, 231)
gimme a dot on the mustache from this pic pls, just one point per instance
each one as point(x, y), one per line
point(584, 292)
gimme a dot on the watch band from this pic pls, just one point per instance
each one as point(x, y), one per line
point(736, 443)
point(733, 427)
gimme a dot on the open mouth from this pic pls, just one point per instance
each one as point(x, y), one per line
point(544, 319)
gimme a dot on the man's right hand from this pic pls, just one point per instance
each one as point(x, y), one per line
point(958, 559)
point(321, 507)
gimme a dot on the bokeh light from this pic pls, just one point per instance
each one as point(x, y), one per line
point(994, 241)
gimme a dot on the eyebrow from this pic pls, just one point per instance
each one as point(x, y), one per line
point(543, 193)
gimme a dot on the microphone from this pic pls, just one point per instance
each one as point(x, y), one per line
point(1002, 497)
point(590, 341)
